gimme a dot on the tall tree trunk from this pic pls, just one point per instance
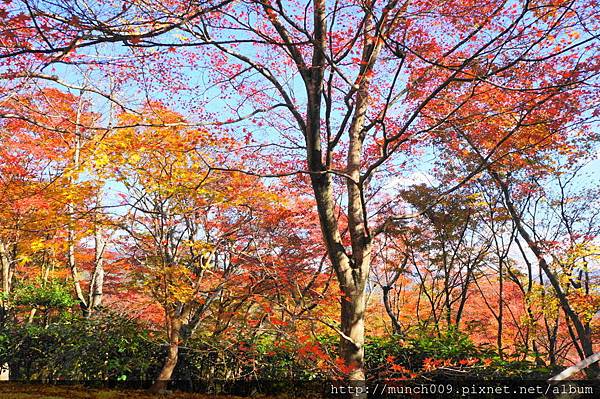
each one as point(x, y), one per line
point(71, 211)
point(97, 280)
point(171, 359)
point(96, 294)
point(353, 327)
point(6, 280)
point(352, 269)
point(5, 263)
point(352, 277)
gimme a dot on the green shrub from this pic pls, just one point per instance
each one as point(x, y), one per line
point(109, 347)
point(104, 347)
point(450, 344)
point(51, 296)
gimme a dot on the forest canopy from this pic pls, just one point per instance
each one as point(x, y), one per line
point(285, 190)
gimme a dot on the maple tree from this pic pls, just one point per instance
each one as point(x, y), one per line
point(378, 82)
point(198, 247)
point(576, 249)
point(340, 102)
point(169, 226)
point(41, 187)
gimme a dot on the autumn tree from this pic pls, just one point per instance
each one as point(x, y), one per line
point(377, 82)
point(354, 93)
point(565, 259)
point(199, 248)
point(44, 156)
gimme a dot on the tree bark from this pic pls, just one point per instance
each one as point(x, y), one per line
point(6, 280)
point(500, 307)
point(97, 280)
point(353, 326)
point(71, 211)
point(5, 262)
point(352, 278)
point(166, 372)
point(396, 327)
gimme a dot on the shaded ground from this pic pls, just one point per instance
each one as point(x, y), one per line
point(39, 391)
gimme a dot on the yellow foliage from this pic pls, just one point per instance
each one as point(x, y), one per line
point(37, 245)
